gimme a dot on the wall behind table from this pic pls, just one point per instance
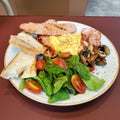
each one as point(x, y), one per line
point(47, 7)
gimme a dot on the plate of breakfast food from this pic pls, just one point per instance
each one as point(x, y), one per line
point(60, 63)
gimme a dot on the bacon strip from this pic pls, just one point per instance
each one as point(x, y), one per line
point(50, 27)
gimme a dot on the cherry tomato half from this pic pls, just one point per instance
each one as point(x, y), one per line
point(40, 64)
point(59, 62)
point(92, 69)
point(78, 84)
point(65, 55)
point(33, 86)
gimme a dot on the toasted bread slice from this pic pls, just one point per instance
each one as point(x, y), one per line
point(27, 43)
point(22, 65)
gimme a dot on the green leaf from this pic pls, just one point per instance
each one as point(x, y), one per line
point(22, 84)
point(69, 88)
point(51, 68)
point(40, 82)
point(59, 83)
point(75, 64)
point(69, 73)
point(47, 83)
point(94, 83)
point(60, 95)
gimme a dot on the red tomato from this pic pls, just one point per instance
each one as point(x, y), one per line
point(40, 64)
point(92, 69)
point(65, 55)
point(78, 84)
point(59, 62)
point(33, 86)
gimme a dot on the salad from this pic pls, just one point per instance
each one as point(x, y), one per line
point(59, 78)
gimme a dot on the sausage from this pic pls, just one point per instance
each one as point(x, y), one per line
point(92, 36)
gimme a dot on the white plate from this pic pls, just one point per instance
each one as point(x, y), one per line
point(108, 72)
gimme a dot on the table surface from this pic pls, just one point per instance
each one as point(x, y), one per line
point(15, 106)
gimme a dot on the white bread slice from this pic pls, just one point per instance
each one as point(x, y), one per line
point(22, 65)
point(27, 43)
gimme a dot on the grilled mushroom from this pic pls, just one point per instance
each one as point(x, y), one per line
point(87, 58)
point(105, 49)
point(100, 62)
point(84, 54)
point(91, 59)
point(101, 54)
point(91, 56)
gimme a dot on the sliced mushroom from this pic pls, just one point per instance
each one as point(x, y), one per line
point(94, 56)
point(101, 54)
point(84, 60)
point(105, 49)
point(91, 59)
point(91, 49)
point(84, 55)
point(100, 62)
